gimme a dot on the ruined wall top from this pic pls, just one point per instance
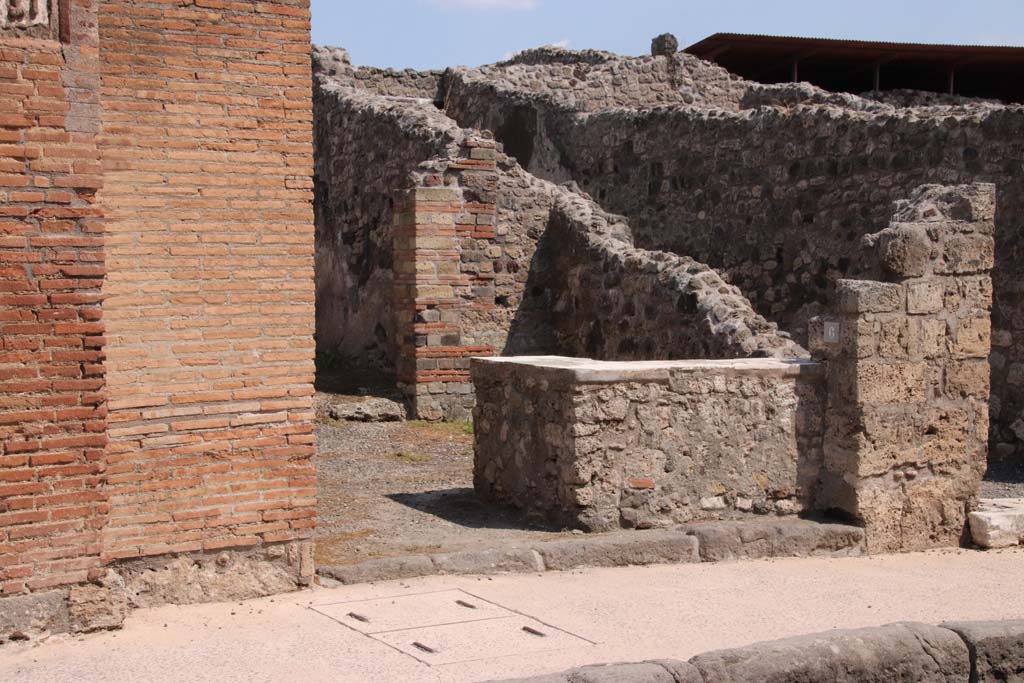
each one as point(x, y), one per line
point(596, 80)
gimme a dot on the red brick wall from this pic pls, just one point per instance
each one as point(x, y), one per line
point(52, 410)
point(209, 300)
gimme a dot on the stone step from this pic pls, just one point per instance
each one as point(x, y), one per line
point(998, 523)
point(704, 542)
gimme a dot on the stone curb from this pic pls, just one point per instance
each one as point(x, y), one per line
point(961, 652)
point(708, 542)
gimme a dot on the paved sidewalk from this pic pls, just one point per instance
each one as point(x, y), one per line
point(583, 617)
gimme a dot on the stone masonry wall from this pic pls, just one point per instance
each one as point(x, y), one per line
point(612, 301)
point(366, 148)
point(544, 270)
point(487, 259)
point(777, 194)
point(599, 446)
point(52, 401)
point(907, 422)
point(207, 155)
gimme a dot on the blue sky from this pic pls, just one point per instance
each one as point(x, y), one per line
point(437, 33)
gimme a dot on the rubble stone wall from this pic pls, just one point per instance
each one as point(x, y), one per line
point(604, 445)
point(334, 63)
point(613, 301)
point(906, 437)
point(366, 148)
point(485, 259)
point(777, 193)
point(492, 261)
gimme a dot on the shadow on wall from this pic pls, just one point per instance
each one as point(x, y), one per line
point(1007, 358)
point(532, 330)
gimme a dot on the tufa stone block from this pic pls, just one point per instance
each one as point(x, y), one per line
point(866, 296)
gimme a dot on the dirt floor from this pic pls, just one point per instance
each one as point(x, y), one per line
point(388, 489)
point(398, 488)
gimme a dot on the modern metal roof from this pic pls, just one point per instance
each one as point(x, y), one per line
point(859, 65)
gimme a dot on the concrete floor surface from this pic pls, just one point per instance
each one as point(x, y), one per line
point(585, 616)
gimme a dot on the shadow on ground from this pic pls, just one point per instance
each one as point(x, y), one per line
point(461, 506)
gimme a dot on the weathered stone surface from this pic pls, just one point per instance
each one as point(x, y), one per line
point(217, 576)
point(22, 14)
point(488, 561)
point(898, 652)
point(665, 45)
point(619, 550)
point(371, 409)
point(606, 445)
point(45, 612)
point(866, 296)
point(998, 523)
point(906, 430)
point(757, 538)
point(661, 671)
point(996, 647)
point(383, 569)
point(776, 192)
point(905, 249)
point(98, 606)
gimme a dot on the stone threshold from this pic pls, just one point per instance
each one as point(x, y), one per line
point(691, 543)
point(589, 371)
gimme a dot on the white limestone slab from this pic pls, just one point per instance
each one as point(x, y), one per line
point(998, 523)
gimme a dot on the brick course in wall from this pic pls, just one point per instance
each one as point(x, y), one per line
point(207, 161)
point(437, 226)
point(156, 305)
point(52, 404)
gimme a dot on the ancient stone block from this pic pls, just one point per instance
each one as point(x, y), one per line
point(972, 338)
point(968, 378)
point(998, 523)
point(924, 296)
point(759, 538)
point(890, 382)
point(34, 613)
point(996, 647)
point(967, 254)
point(665, 45)
point(99, 606)
point(905, 250)
point(864, 296)
point(905, 652)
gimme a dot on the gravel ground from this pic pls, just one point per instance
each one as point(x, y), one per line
point(1004, 479)
point(399, 488)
